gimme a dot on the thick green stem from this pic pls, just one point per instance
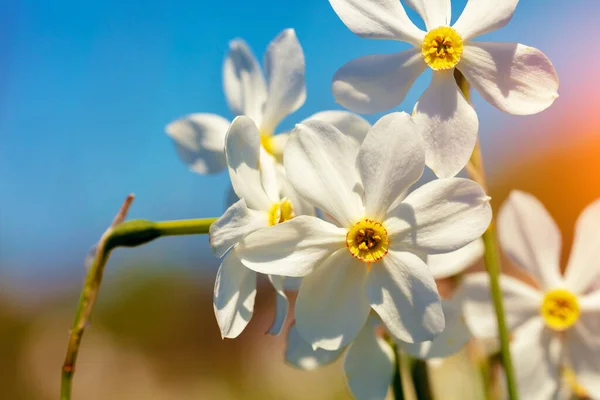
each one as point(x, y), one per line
point(420, 378)
point(125, 234)
point(492, 259)
point(397, 382)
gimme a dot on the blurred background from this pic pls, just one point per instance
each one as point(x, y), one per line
point(86, 89)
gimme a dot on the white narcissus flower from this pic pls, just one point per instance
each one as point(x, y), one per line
point(369, 359)
point(515, 78)
point(370, 258)
point(555, 325)
point(200, 137)
point(266, 199)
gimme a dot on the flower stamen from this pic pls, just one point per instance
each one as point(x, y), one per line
point(281, 212)
point(367, 240)
point(560, 309)
point(442, 48)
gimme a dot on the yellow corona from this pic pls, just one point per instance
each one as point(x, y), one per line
point(560, 309)
point(368, 241)
point(281, 212)
point(442, 48)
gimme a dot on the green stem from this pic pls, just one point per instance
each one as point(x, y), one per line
point(420, 377)
point(492, 259)
point(397, 382)
point(126, 234)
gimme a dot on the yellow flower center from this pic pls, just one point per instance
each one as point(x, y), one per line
point(367, 240)
point(560, 309)
point(281, 212)
point(442, 48)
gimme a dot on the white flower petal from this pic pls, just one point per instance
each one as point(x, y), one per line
point(301, 355)
point(237, 222)
point(332, 305)
point(590, 301)
point(449, 125)
point(521, 303)
point(583, 352)
point(377, 82)
point(200, 140)
point(515, 78)
point(402, 291)
point(242, 147)
point(446, 265)
point(483, 16)
point(277, 144)
point(380, 19)
point(435, 13)
point(243, 81)
point(300, 205)
point(235, 290)
point(529, 235)
point(390, 160)
point(320, 161)
point(284, 68)
point(281, 304)
point(536, 354)
point(292, 248)
point(369, 366)
point(269, 176)
point(441, 216)
point(584, 265)
point(453, 338)
point(348, 123)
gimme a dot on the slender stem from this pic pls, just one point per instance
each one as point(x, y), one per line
point(397, 382)
point(128, 234)
point(492, 259)
point(420, 377)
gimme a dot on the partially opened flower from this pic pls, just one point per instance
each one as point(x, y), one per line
point(369, 359)
point(515, 78)
point(371, 257)
point(555, 325)
point(200, 137)
point(266, 199)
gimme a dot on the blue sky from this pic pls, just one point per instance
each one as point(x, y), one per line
point(87, 87)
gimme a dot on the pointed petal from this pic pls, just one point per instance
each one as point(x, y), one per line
point(536, 358)
point(454, 337)
point(301, 355)
point(583, 268)
point(242, 147)
point(515, 78)
point(292, 248)
point(441, 216)
point(320, 161)
point(521, 303)
point(243, 81)
point(390, 160)
point(284, 68)
point(483, 16)
point(300, 205)
point(583, 352)
point(449, 125)
point(402, 291)
point(348, 123)
point(529, 235)
point(369, 366)
point(237, 222)
point(381, 19)
point(332, 306)
point(199, 140)
point(281, 304)
point(377, 82)
point(435, 13)
point(446, 265)
point(235, 290)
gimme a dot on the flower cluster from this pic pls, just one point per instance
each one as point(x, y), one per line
point(335, 208)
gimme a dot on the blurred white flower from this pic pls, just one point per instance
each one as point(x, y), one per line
point(369, 359)
point(515, 78)
point(557, 324)
point(370, 258)
point(266, 199)
point(200, 138)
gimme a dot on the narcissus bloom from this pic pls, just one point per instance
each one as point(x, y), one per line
point(200, 137)
point(515, 78)
point(370, 257)
point(369, 359)
point(554, 326)
point(266, 199)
